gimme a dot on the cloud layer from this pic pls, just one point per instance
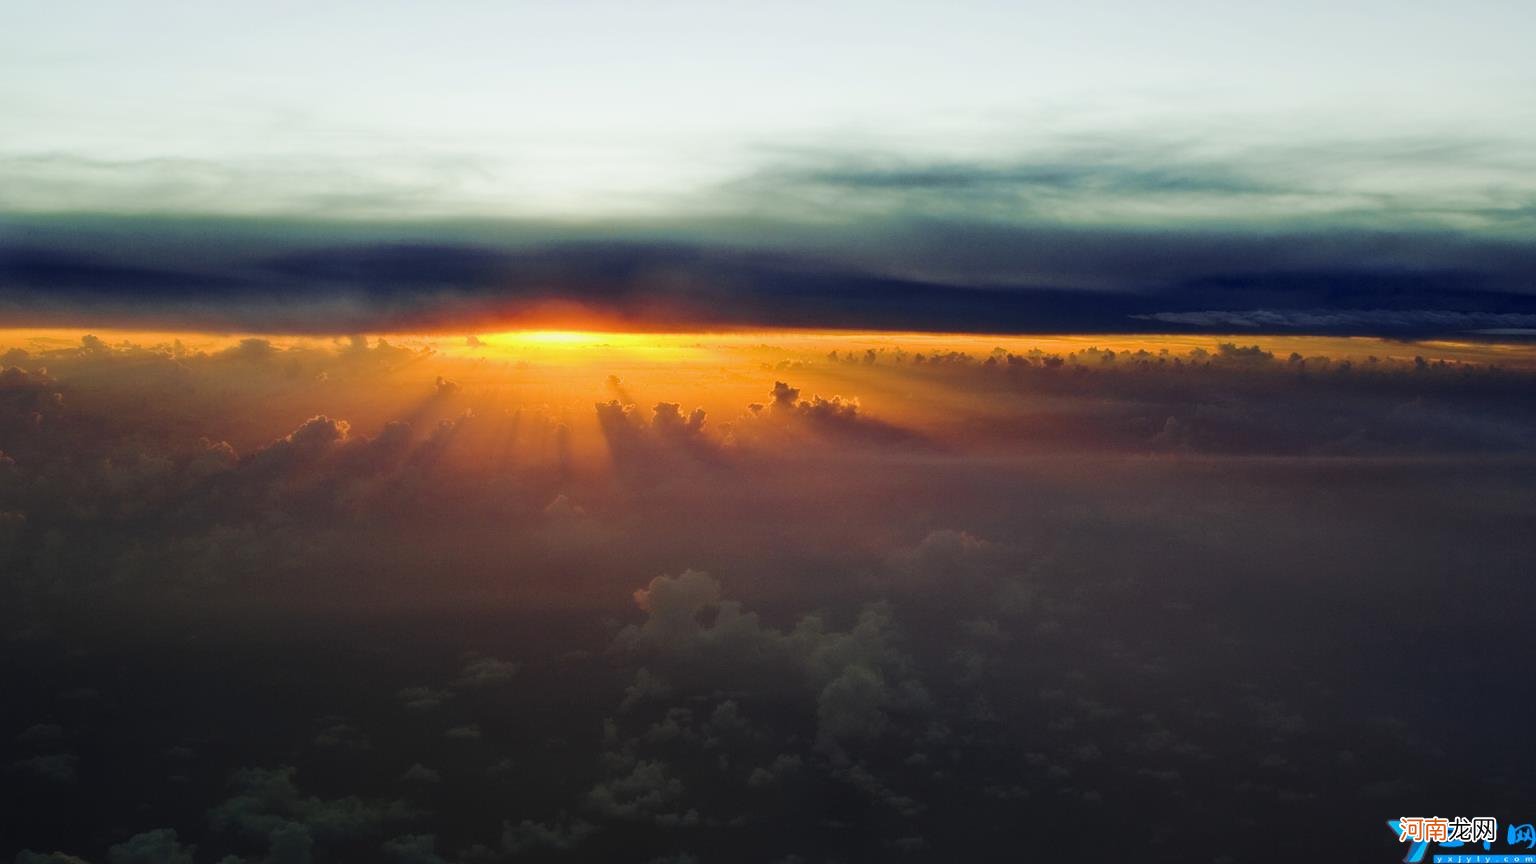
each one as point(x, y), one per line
point(1098, 235)
point(278, 600)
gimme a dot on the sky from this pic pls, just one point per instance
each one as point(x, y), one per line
point(1358, 167)
point(766, 433)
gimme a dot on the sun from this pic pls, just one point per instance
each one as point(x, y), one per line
point(540, 339)
point(571, 344)
point(554, 337)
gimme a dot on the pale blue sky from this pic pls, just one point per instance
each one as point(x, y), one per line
point(609, 108)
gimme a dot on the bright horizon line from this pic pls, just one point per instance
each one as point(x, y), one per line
point(570, 339)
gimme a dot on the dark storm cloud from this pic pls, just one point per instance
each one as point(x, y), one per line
point(411, 286)
point(1107, 237)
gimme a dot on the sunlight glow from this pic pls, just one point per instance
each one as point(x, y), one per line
point(552, 337)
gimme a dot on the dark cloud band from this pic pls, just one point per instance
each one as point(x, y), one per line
point(877, 274)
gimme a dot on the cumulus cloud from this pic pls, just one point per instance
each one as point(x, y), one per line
point(852, 705)
point(866, 782)
point(267, 806)
point(312, 440)
point(834, 417)
point(948, 563)
point(52, 767)
point(559, 836)
point(646, 686)
point(670, 441)
point(854, 676)
point(337, 734)
point(467, 732)
point(152, 847)
point(41, 733)
point(27, 856)
point(645, 791)
point(783, 765)
point(486, 672)
point(412, 849)
point(421, 698)
point(419, 773)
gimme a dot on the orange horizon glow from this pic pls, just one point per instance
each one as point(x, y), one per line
point(555, 342)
